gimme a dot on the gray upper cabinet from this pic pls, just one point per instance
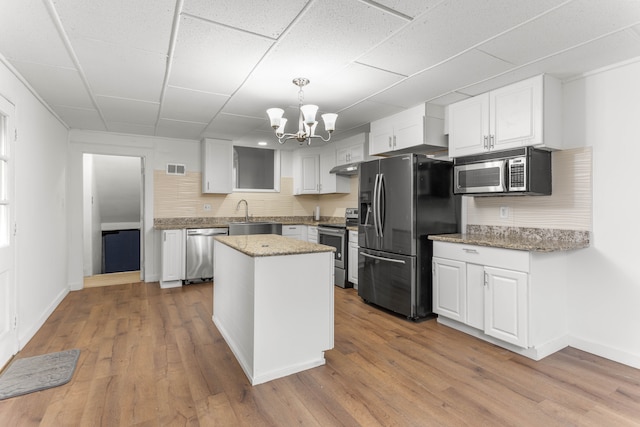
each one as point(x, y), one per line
point(217, 166)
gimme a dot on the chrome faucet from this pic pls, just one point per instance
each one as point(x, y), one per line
point(246, 209)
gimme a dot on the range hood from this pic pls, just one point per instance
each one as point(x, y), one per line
point(347, 169)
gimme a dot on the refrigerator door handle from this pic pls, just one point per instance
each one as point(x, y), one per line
point(382, 202)
point(375, 205)
point(397, 261)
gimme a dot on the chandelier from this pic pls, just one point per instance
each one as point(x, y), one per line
point(306, 122)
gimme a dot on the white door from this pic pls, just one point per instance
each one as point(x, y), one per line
point(506, 306)
point(8, 295)
point(449, 288)
point(469, 126)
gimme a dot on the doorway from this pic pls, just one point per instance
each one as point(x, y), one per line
point(113, 212)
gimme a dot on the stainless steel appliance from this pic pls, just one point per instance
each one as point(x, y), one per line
point(402, 200)
point(522, 171)
point(199, 253)
point(336, 235)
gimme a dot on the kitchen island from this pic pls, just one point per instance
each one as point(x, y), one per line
point(273, 303)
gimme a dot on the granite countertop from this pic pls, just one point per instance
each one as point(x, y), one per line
point(261, 245)
point(216, 222)
point(519, 238)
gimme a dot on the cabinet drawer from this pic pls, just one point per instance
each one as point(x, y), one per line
point(492, 257)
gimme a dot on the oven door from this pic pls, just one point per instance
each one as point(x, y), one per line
point(483, 177)
point(334, 237)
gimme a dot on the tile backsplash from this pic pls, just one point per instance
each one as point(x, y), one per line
point(569, 207)
point(181, 196)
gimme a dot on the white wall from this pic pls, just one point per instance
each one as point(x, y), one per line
point(602, 110)
point(40, 201)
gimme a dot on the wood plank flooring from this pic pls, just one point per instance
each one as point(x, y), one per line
point(110, 279)
point(152, 357)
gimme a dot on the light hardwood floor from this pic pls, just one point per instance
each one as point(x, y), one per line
point(152, 357)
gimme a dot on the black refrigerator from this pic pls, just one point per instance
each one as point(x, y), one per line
point(402, 200)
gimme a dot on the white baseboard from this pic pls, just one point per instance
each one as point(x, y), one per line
point(24, 336)
point(617, 355)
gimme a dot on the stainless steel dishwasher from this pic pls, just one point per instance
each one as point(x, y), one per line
point(199, 260)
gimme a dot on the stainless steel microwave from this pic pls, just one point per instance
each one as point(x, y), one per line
point(521, 171)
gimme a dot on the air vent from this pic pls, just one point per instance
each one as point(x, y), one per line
point(175, 169)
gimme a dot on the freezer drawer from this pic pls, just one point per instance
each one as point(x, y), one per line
point(388, 280)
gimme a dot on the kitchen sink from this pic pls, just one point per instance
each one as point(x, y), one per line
point(254, 227)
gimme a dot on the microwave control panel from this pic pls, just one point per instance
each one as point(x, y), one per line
point(517, 174)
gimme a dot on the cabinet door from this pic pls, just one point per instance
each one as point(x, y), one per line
point(516, 114)
point(475, 296)
point(330, 182)
point(506, 305)
point(381, 136)
point(312, 234)
point(307, 176)
point(408, 128)
point(449, 288)
point(353, 261)
point(172, 255)
point(217, 162)
point(469, 126)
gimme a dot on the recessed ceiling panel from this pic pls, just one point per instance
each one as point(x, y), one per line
point(57, 86)
point(189, 105)
point(266, 17)
point(225, 126)
point(448, 29)
point(133, 128)
point(142, 24)
point(80, 118)
point(27, 34)
point(121, 71)
point(568, 26)
point(213, 58)
point(128, 111)
point(461, 71)
point(363, 113)
point(179, 129)
point(330, 35)
point(410, 7)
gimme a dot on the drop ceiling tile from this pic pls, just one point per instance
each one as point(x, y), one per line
point(591, 56)
point(448, 29)
point(128, 111)
point(330, 34)
point(27, 34)
point(435, 82)
point(132, 128)
point(410, 7)
point(80, 118)
point(363, 113)
point(141, 24)
point(212, 58)
point(267, 17)
point(189, 105)
point(121, 71)
point(56, 85)
point(225, 126)
point(179, 129)
point(449, 98)
point(568, 26)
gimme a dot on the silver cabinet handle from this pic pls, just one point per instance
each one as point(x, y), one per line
point(390, 143)
point(470, 251)
point(485, 140)
point(492, 141)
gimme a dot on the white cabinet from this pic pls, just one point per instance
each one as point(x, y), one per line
point(312, 234)
point(351, 150)
point(420, 128)
point(505, 305)
point(353, 258)
point(217, 166)
point(515, 299)
point(311, 175)
point(173, 258)
point(298, 232)
point(527, 113)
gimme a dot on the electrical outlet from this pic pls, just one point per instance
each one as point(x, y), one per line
point(504, 212)
point(207, 207)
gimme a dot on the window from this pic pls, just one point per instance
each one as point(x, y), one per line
point(255, 169)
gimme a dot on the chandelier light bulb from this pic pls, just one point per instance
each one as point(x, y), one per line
point(275, 116)
point(309, 112)
point(329, 121)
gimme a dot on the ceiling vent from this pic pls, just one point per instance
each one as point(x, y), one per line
point(176, 169)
